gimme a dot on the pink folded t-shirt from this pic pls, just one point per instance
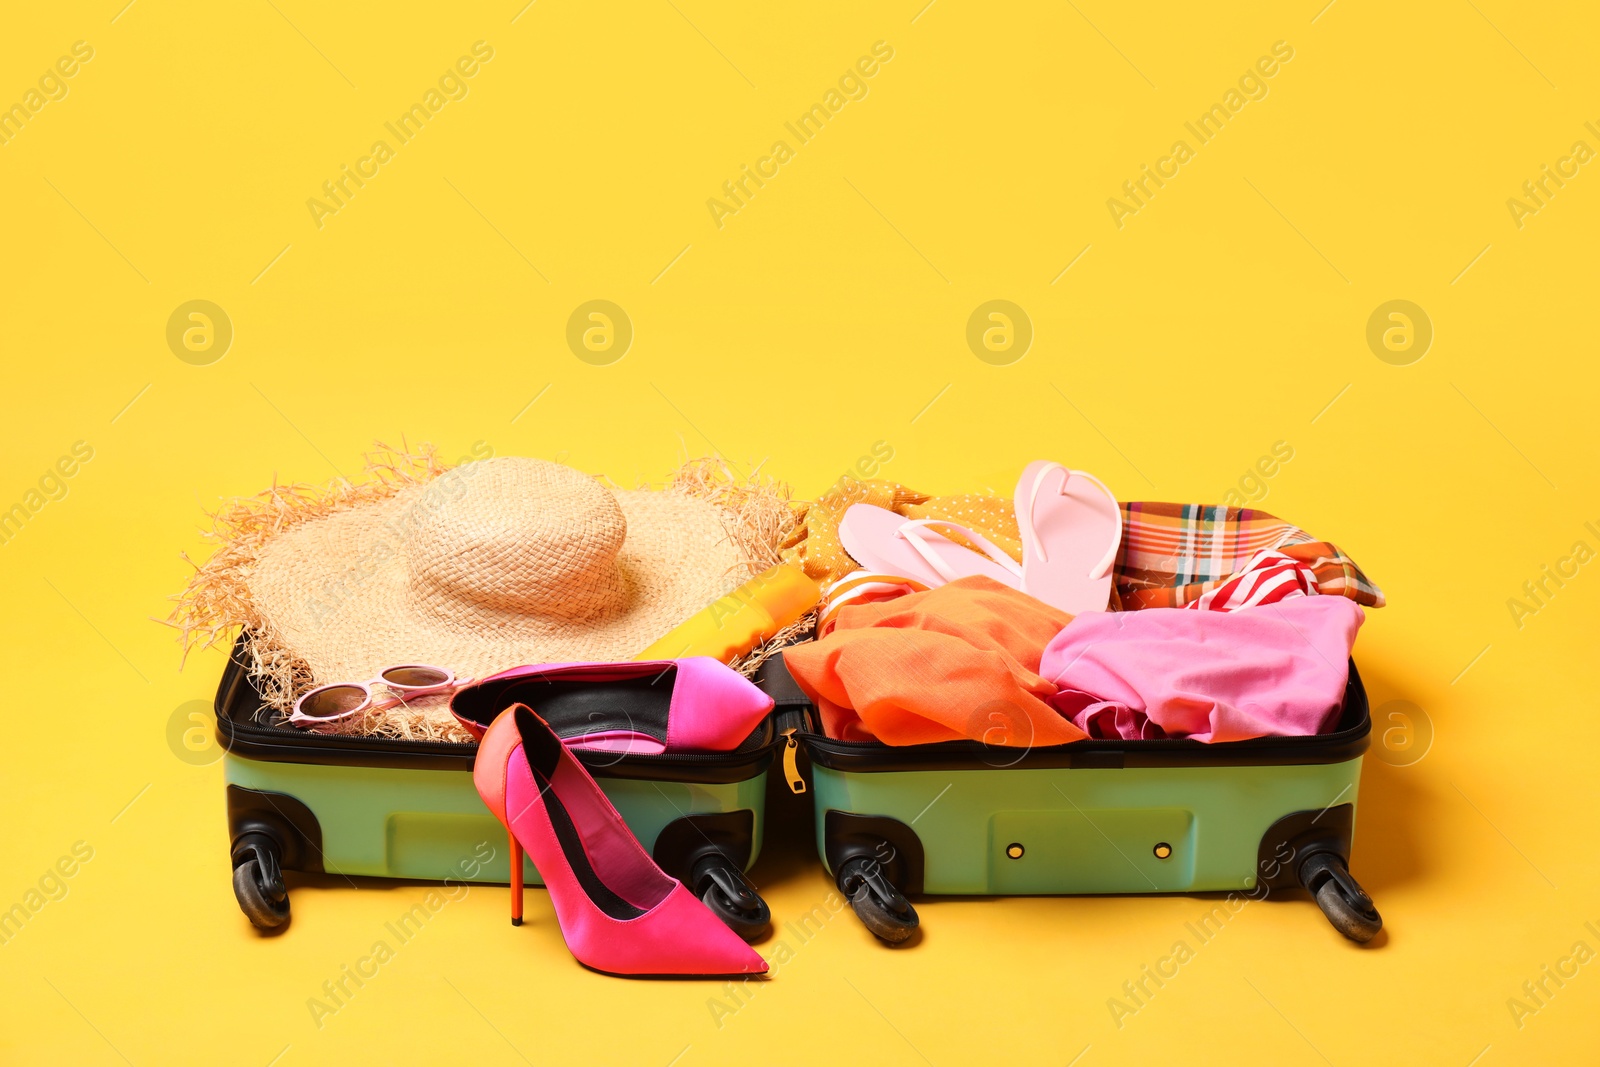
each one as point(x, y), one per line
point(1273, 669)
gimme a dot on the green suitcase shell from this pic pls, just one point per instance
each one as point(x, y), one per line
point(371, 807)
point(1165, 816)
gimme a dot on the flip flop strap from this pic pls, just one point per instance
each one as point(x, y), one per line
point(1033, 541)
point(913, 532)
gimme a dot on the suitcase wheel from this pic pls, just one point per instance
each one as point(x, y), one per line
point(730, 896)
point(1340, 896)
point(258, 884)
point(877, 903)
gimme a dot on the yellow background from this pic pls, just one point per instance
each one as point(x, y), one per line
point(829, 313)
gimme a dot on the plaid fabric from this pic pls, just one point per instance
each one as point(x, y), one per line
point(1174, 555)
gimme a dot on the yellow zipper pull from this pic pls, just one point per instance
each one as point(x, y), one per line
point(791, 764)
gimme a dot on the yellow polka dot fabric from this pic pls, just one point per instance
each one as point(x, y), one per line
point(814, 545)
point(987, 516)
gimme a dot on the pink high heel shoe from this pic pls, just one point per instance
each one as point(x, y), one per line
point(618, 912)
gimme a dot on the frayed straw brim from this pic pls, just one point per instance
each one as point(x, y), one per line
point(701, 536)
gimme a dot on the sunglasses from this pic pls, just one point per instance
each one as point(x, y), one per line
point(340, 700)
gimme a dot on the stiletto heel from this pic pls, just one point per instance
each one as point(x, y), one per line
point(516, 877)
point(617, 911)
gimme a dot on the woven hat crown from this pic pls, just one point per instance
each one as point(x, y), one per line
point(521, 536)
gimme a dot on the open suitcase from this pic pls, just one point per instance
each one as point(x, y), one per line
point(1159, 816)
point(359, 806)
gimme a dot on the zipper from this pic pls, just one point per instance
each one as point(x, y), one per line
point(791, 762)
point(789, 721)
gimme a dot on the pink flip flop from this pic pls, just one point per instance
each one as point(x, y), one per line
point(887, 543)
point(1071, 530)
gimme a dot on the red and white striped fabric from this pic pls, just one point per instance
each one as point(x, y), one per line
point(1269, 577)
point(861, 586)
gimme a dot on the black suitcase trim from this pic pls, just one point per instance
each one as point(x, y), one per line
point(238, 707)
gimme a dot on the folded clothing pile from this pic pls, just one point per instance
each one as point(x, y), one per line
point(975, 660)
point(1004, 621)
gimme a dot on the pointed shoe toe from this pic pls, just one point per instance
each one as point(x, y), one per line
point(717, 949)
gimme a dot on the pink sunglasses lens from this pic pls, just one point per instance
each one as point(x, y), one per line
point(333, 701)
point(415, 677)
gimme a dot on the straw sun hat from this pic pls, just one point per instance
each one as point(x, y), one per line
point(477, 568)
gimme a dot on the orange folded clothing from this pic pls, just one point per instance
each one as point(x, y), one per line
point(959, 662)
